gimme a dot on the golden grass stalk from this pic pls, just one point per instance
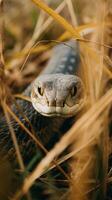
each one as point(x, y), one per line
point(58, 18)
point(82, 30)
point(96, 154)
point(36, 34)
point(13, 135)
point(16, 146)
point(71, 11)
point(42, 27)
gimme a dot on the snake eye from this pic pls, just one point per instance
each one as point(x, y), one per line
point(40, 91)
point(74, 91)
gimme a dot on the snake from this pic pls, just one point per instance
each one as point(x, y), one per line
point(57, 94)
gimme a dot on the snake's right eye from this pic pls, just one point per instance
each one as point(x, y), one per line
point(40, 91)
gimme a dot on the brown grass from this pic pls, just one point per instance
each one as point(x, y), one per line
point(88, 138)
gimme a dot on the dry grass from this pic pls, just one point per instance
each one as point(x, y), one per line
point(88, 138)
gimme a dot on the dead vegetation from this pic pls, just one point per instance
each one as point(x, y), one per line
point(23, 56)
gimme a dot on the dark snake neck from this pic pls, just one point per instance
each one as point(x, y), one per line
point(42, 130)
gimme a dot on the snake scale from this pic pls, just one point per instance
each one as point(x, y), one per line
point(56, 93)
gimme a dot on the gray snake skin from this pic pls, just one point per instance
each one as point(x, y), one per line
point(58, 93)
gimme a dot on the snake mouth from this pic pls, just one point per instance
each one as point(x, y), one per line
point(65, 111)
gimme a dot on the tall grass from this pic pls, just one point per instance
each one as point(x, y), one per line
point(88, 138)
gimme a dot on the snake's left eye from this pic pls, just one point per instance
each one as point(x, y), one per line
point(74, 91)
point(40, 90)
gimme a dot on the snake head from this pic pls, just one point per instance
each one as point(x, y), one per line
point(58, 95)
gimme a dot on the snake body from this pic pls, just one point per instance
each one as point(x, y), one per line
point(62, 96)
point(55, 92)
